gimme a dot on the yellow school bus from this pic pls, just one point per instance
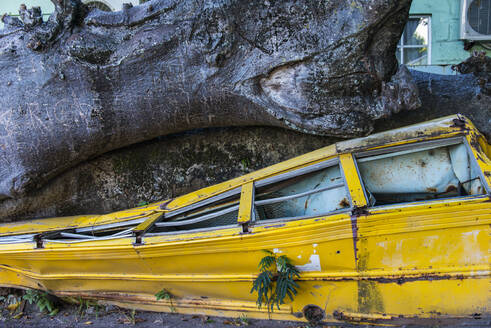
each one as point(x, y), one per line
point(393, 228)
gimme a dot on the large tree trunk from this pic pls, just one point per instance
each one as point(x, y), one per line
point(160, 169)
point(441, 95)
point(87, 83)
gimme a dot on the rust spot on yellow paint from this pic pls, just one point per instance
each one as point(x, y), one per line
point(313, 313)
point(344, 203)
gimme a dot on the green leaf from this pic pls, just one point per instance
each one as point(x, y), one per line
point(281, 262)
point(263, 285)
point(269, 291)
point(289, 292)
point(41, 299)
point(163, 294)
point(266, 262)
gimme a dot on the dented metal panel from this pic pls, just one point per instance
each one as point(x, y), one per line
point(414, 262)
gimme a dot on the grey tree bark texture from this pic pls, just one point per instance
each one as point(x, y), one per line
point(79, 89)
point(85, 83)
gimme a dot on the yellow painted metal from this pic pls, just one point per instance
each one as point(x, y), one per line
point(481, 151)
point(246, 203)
point(436, 129)
point(444, 127)
point(147, 224)
point(401, 263)
point(353, 182)
point(82, 221)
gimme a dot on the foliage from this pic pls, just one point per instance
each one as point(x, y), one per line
point(243, 320)
point(42, 300)
point(85, 304)
point(275, 281)
point(245, 163)
point(130, 317)
point(12, 303)
point(164, 294)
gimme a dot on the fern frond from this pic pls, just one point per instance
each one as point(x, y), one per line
point(266, 263)
point(285, 285)
point(276, 280)
point(263, 285)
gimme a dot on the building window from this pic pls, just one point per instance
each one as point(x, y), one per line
point(414, 48)
point(98, 4)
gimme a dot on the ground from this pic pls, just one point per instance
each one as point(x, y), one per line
point(110, 317)
point(120, 318)
point(17, 312)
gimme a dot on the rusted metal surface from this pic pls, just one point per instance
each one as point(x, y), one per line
point(372, 263)
point(472, 319)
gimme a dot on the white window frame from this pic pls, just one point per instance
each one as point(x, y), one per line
point(401, 46)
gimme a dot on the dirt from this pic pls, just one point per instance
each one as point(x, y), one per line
point(98, 316)
point(111, 316)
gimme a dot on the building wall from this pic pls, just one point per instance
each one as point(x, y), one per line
point(446, 46)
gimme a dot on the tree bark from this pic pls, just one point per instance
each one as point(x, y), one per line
point(160, 169)
point(441, 95)
point(85, 83)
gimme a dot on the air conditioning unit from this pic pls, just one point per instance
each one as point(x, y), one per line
point(475, 21)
